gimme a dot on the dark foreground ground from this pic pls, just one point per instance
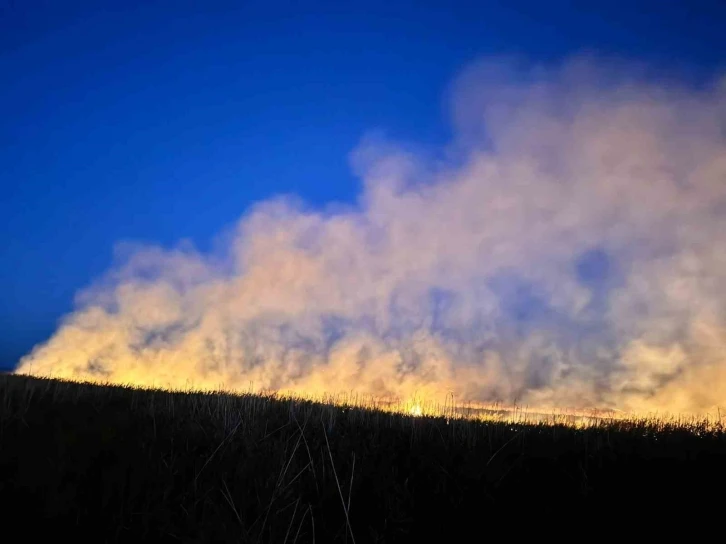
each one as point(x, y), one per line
point(108, 464)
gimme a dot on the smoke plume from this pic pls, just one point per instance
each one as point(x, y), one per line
point(567, 249)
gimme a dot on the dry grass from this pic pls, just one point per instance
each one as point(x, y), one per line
point(123, 464)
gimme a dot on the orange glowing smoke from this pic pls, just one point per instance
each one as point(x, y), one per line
point(568, 250)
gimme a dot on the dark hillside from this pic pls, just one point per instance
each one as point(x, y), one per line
point(108, 464)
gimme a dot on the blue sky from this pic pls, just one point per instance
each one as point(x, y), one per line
point(157, 121)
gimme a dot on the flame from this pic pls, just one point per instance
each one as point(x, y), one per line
point(415, 410)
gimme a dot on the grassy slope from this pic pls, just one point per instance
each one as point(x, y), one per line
point(130, 465)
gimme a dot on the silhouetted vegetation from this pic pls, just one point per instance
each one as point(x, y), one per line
point(110, 464)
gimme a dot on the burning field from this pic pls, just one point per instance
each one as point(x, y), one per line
point(531, 316)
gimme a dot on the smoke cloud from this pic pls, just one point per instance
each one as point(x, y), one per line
point(567, 249)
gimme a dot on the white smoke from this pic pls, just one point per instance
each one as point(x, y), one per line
point(568, 250)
